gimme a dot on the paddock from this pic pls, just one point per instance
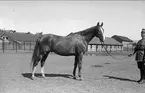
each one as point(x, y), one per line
point(101, 74)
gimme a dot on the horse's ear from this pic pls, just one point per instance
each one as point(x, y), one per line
point(102, 24)
point(98, 24)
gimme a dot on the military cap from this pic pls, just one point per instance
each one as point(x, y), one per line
point(143, 30)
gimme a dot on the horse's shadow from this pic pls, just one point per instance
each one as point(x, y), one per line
point(39, 75)
point(119, 78)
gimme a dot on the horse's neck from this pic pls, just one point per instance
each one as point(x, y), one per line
point(88, 36)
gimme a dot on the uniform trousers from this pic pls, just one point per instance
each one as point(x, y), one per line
point(141, 65)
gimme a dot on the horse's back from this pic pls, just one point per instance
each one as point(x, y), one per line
point(63, 45)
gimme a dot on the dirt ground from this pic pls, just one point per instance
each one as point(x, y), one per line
point(101, 74)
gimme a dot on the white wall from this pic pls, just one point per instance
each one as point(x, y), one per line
point(113, 48)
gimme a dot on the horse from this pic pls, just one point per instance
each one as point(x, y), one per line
point(74, 44)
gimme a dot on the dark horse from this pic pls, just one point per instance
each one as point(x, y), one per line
point(74, 44)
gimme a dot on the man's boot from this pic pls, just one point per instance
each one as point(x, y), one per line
point(142, 76)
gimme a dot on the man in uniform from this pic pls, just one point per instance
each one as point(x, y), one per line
point(140, 56)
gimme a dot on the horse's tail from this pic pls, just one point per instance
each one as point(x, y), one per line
point(36, 54)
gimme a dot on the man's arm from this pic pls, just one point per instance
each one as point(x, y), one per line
point(135, 50)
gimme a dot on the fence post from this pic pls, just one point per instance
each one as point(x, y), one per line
point(16, 47)
point(127, 47)
point(121, 48)
point(24, 45)
point(13, 45)
point(3, 46)
point(30, 46)
point(110, 48)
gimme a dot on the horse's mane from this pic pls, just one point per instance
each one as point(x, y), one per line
point(83, 31)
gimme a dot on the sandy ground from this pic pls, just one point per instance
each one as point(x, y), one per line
point(101, 74)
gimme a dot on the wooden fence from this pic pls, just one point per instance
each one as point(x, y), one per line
point(17, 46)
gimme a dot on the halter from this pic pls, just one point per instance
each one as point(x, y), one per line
point(102, 30)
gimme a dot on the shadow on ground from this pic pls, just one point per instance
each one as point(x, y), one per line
point(28, 75)
point(119, 78)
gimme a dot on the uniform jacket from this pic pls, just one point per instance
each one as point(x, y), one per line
point(140, 50)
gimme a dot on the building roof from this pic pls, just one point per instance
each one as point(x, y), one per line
point(19, 36)
point(22, 36)
point(121, 38)
point(95, 40)
point(107, 41)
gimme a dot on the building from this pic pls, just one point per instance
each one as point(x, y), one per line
point(17, 40)
point(125, 41)
point(110, 43)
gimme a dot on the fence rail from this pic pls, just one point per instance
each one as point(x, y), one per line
point(17, 46)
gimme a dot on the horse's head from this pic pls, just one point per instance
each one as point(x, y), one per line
point(99, 31)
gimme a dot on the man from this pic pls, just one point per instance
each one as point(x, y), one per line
point(140, 56)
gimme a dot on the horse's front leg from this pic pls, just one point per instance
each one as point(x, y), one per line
point(80, 57)
point(75, 66)
point(42, 72)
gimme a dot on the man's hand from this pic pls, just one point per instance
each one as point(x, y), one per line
point(130, 55)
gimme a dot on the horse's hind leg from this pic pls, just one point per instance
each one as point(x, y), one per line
point(34, 68)
point(42, 63)
point(75, 66)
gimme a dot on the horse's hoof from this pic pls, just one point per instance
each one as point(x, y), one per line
point(33, 78)
point(74, 77)
point(80, 78)
point(43, 77)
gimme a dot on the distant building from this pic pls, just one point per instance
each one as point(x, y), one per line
point(110, 43)
point(121, 39)
point(126, 42)
point(13, 39)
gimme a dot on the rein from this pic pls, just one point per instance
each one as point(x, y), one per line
point(112, 55)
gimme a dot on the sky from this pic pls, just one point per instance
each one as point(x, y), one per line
point(125, 18)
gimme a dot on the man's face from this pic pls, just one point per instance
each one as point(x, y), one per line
point(143, 35)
